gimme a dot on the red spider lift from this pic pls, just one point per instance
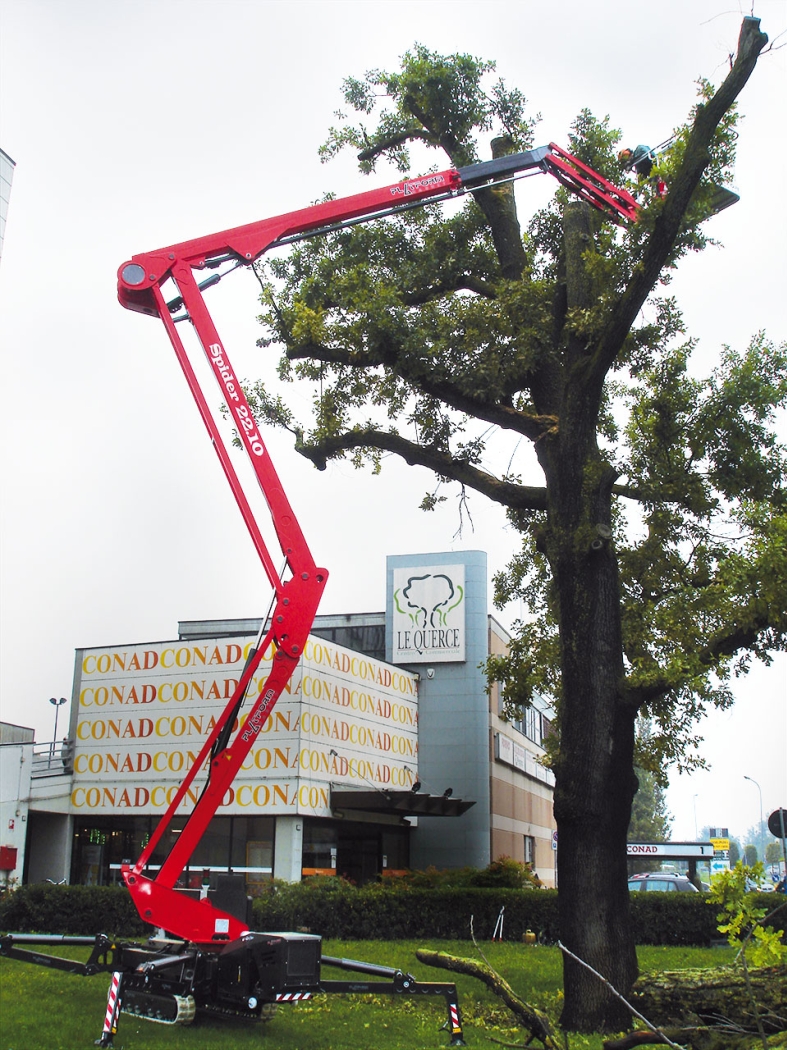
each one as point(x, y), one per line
point(209, 960)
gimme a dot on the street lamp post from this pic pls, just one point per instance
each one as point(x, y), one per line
point(58, 702)
point(762, 850)
point(696, 833)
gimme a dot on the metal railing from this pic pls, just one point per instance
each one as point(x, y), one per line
point(53, 759)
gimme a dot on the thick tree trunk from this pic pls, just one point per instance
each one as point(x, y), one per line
point(595, 786)
point(595, 782)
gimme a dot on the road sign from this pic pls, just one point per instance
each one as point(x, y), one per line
point(777, 823)
point(720, 845)
point(682, 850)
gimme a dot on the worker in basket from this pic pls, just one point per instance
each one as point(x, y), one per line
point(641, 160)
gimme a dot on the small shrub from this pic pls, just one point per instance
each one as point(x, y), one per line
point(506, 872)
point(431, 878)
point(501, 873)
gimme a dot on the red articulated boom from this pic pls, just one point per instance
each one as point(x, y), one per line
point(208, 960)
point(140, 288)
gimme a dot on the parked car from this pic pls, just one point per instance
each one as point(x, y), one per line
point(662, 882)
point(764, 885)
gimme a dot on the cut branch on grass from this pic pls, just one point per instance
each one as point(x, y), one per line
point(532, 1020)
point(702, 996)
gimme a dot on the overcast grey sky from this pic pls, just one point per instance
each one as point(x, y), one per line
point(139, 124)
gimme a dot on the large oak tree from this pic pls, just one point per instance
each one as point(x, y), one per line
point(653, 541)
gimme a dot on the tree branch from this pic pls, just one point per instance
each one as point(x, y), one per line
point(629, 492)
point(499, 207)
point(464, 282)
point(639, 495)
point(523, 497)
point(533, 1020)
point(447, 141)
point(530, 425)
point(723, 644)
point(697, 156)
point(377, 148)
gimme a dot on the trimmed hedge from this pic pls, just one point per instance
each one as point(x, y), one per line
point(74, 910)
point(674, 919)
point(337, 909)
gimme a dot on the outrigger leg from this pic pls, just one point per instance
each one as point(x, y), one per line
point(454, 1022)
point(398, 983)
point(114, 1000)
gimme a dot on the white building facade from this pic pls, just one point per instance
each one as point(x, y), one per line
point(386, 752)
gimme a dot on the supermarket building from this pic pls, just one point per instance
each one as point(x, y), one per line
point(386, 752)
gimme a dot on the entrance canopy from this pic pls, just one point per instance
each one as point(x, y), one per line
point(399, 803)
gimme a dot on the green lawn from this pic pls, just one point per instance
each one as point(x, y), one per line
point(42, 1009)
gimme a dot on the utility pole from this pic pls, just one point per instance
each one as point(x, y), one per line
point(760, 836)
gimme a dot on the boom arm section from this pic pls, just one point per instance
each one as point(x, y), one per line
point(296, 599)
point(297, 593)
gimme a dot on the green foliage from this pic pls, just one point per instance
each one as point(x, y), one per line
point(742, 912)
point(441, 101)
point(709, 564)
point(773, 852)
point(503, 873)
point(650, 819)
point(426, 334)
point(334, 908)
point(672, 918)
point(506, 872)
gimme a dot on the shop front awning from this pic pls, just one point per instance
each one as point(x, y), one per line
point(399, 803)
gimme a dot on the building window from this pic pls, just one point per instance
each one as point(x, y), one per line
point(353, 850)
point(531, 725)
point(501, 704)
point(252, 850)
point(368, 639)
point(241, 844)
point(530, 851)
point(320, 844)
point(212, 852)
